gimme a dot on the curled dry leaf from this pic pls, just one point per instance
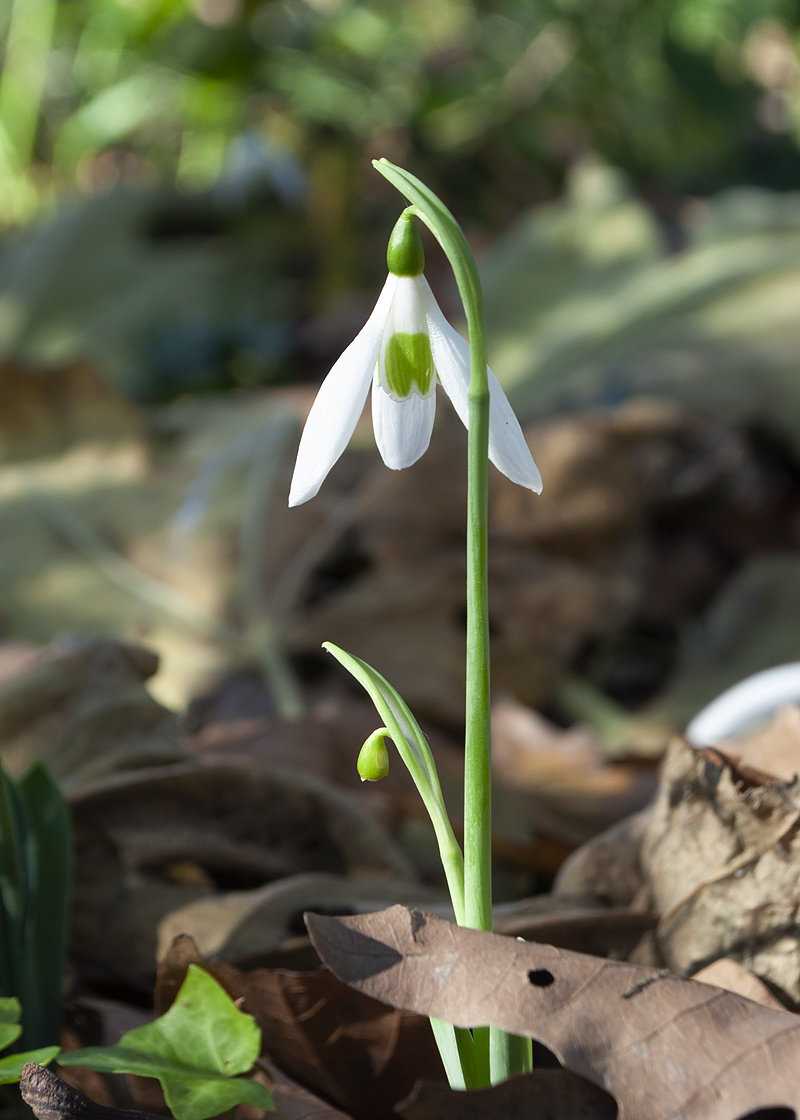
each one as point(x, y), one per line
point(607, 866)
point(567, 773)
point(731, 976)
point(547, 1094)
point(663, 1046)
point(154, 840)
point(720, 856)
point(775, 750)
point(241, 926)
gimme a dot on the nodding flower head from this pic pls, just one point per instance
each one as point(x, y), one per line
point(404, 350)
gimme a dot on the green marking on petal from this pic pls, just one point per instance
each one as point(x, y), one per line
point(407, 365)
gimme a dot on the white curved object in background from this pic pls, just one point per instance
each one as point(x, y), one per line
point(746, 703)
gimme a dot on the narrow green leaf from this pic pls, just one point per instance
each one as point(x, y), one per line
point(50, 860)
point(11, 1066)
point(14, 887)
point(458, 1054)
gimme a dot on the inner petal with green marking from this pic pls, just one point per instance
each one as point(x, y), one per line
point(407, 365)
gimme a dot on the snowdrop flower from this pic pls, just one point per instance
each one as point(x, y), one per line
point(405, 348)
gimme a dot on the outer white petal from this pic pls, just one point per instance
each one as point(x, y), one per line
point(335, 412)
point(507, 447)
point(402, 428)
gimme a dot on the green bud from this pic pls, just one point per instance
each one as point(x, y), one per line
point(373, 759)
point(405, 255)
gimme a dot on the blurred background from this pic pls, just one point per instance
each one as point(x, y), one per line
point(190, 233)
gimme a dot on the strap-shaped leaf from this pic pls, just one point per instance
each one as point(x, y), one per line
point(50, 869)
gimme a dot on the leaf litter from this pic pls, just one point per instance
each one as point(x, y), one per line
point(608, 1021)
point(86, 707)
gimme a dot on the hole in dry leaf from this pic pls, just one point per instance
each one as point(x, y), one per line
point(779, 1112)
point(541, 978)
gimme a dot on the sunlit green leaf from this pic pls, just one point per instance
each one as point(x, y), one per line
point(194, 1051)
point(11, 1066)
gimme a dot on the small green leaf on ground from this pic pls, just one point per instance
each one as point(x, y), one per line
point(194, 1050)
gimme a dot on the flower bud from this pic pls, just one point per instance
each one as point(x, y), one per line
point(373, 759)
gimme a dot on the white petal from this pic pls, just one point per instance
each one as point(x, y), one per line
point(402, 428)
point(406, 316)
point(507, 447)
point(338, 404)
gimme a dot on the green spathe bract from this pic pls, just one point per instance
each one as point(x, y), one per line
point(195, 1051)
point(407, 366)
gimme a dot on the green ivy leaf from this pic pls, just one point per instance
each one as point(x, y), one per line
point(194, 1051)
point(10, 1029)
point(11, 1066)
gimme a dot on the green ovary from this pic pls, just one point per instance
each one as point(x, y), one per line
point(407, 365)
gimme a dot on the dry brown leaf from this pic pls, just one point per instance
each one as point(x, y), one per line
point(607, 866)
point(567, 773)
point(553, 582)
point(730, 975)
point(350, 1048)
point(293, 1102)
point(663, 1046)
point(613, 933)
point(775, 750)
point(720, 856)
point(84, 710)
point(240, 926)
point(154, 840)
point(353, 1050)
point(546, 1094)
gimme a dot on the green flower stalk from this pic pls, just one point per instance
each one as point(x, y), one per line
point(404, 350)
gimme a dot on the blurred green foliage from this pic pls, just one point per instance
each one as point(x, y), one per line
point(241, 133)
point(489, 99)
